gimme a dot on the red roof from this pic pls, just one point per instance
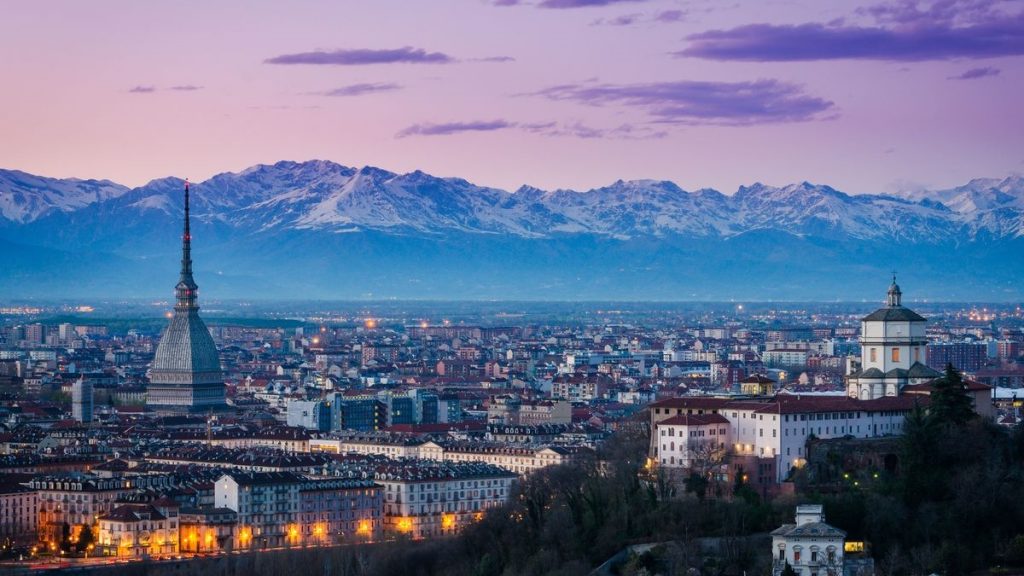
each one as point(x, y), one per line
point(694, 420)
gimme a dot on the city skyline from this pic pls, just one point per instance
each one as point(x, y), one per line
point(867, 97)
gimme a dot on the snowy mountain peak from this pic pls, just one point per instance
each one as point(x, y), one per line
point(324, 195)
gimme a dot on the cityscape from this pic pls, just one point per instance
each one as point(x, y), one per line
point(302, 366)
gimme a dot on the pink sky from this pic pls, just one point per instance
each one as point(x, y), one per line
point(861, 96)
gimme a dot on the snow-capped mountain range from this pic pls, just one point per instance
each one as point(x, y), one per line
point(380, 221)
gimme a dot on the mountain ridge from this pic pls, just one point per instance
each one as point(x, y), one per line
point(307, 227)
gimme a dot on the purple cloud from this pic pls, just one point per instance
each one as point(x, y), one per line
point(670, 16)
point(580, 130)
point(975, 73)
point(142, 90)
point(186, 88)
point(581, 3)
point(555, 129)
point(663, 17)
point(903, 32)
point(704, 103)
point(360, 57)
point(360, 89)
point(495, 59)
point(449, 128)
point(624, 20)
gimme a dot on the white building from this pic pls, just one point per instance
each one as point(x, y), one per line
point(283, 509)
point(428, 499)
point(775, 431)
point(687, 437)
point(811, 547)
point(893, 342)
point(772, 433)
point(139, 530)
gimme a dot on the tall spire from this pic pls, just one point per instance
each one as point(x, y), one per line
point(185, 291)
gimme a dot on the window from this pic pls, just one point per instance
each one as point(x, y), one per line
point(874, 357)
point(895, 354)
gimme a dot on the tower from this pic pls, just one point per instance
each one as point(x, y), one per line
point(892, 350)
point(81, 400)
point(186, 375)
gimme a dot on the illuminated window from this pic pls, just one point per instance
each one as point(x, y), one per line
point(895, 354)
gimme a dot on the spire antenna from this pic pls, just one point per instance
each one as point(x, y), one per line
point(186, 290)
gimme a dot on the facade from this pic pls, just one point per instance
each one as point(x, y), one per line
point(18, 512)
point(309, 414)
point(521, 459)
point(893, 351)
point(82, 400)
point(689, 437)
point(773, 432)
point(283, 509)
point(186, 375)
point(139, 530)
point(810, 546)
point(965, 356)
point(76, 499)
point(757, 385)
point(362, 412)
point(339, 510)
point(423, 500)
point(205, 530)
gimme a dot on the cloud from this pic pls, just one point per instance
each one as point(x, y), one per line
point(449, 128)
point(580, 130)
point(142, 90)
point(186, 88)
point(663, 17)
point(494, 59)
point(670, 16)
point(360, 89)
point(624, 20)
point(703, 103)
point(360, 57)
point(975, 73)
point(554, 129)
point(581, 3)
point(901, 31)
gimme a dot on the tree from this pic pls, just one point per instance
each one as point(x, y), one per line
point(951, 404)
point(788, 570)
point(65, 537)
point(85, 538)
point(697, 484)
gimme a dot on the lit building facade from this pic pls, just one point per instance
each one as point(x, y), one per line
point(430, 499)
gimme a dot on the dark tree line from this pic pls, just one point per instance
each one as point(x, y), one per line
point(957, 503)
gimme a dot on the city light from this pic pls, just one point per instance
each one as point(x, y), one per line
point(404, 525)
point(448, 521)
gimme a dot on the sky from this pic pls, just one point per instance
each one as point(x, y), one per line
point(867, 97)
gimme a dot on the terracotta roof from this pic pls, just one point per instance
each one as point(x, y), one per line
point(694, 420)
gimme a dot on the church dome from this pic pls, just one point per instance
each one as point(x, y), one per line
point(186, 346)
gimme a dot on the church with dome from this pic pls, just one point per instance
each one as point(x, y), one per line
point(892, 353)
point(186, 376)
